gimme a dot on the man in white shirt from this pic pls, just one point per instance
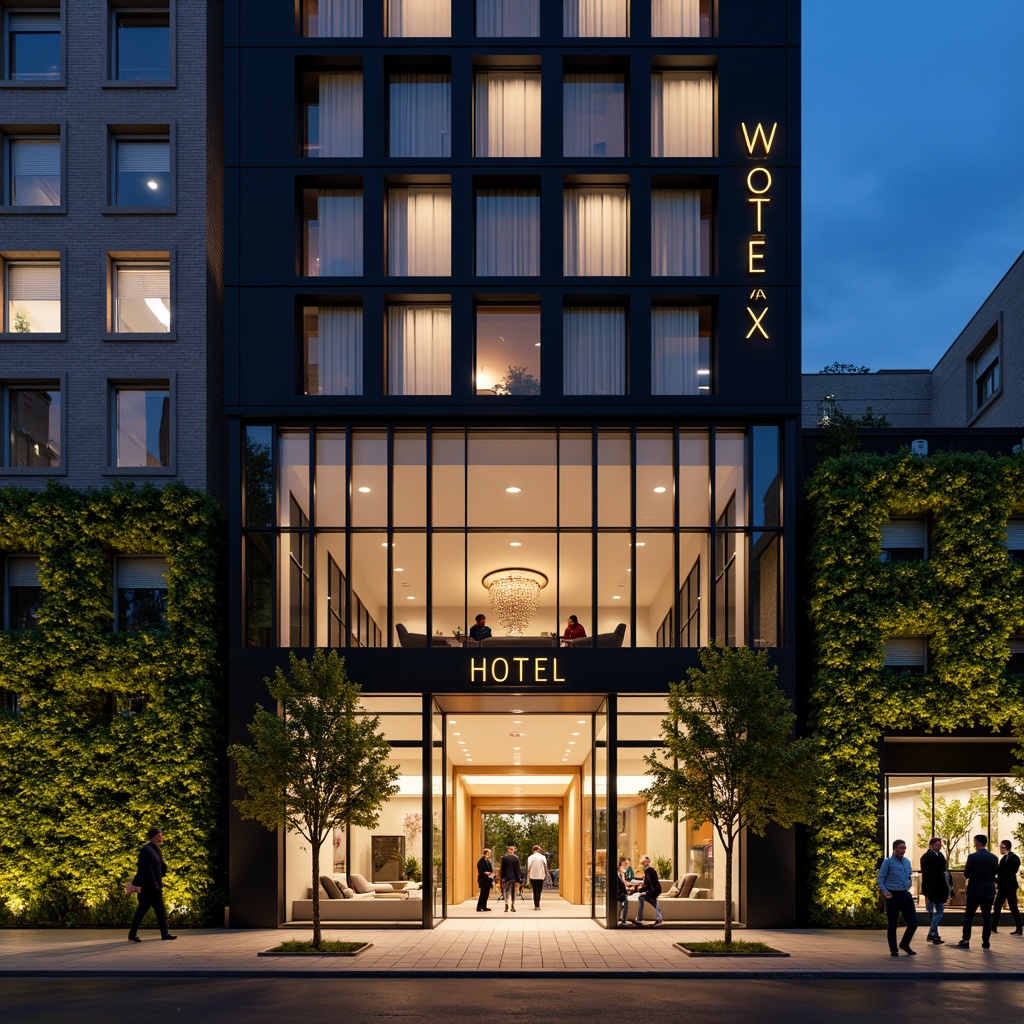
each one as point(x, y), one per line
point(537, 871)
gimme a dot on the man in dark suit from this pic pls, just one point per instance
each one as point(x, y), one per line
point(150, 879)
point(980, 872)
point(511, 876)
point(1006, 886)
point(934, 886)
point(485, 879)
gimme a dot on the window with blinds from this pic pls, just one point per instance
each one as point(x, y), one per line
point(142, 297)
point(904, 540)
point(906, 655)
point(141, 593)
point(1015, 540)
point(32, 298)
point(23, 593)
point(142, 172)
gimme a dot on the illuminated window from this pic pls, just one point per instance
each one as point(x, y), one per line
point(681, 350)
point(682, 114)
point(420, 231)
point(508, 350)
point(507, 113)
point(680, 232)
point(431, 18)
point(141, 297)
point(32, 297)
point(332, 232)
point(141, 45)
point(594, 350)
point(582, 18)
point(333, 104)
point(420, 115)
point(508, 232)
point(32, 45)
point(32, 425)
point(33, 170)
point(508, 18)
point(594, 115)
point(687, 19)
point(596, 231)
point(332, 350)
point(142, 172)
point(987, 377)
point(141, 426)
point(419, 350)
point(332, 19)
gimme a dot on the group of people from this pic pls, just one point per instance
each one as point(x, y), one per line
point(481, 631)
point(989, 879)
point(510, 877)
point(648, 889)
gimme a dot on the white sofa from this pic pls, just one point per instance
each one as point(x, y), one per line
point(339, 901)
point(688, 904)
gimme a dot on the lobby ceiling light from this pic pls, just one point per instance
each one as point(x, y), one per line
point(363, 490)
point(616, 597)
point(399, 569)
point(515, 543)
point(513, 490)
point(514, 594)
point(660, 490)
point(409, 597)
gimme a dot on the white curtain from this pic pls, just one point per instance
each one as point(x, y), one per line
point(507, 113)
point(421, 115)
point(341, 350)
point(682, 113)
point(341, 115)
point(595, 221)
point(419, 18)
point(340, 19)
point(419, 350)
point(680, 358)
point(35, 172)
point(595, 18)
point(508, 233)
point(676, 248)
point(593, 115)
point(509, 18)
point(420, 231)
point(340, 223)
point(675, 18)
point(594, 350)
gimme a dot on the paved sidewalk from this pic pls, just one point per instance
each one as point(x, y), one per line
point(531, 947)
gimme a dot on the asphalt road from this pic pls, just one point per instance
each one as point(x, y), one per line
point(411, 1001)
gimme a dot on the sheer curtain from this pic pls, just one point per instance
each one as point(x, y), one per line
point(420, 231)
point(595, 222)
point(419, 18)
point(508, 18)
point(508, 233)
point(507, 113)
point(341, 115)
point(595, 18)
point(676, 237)
point(594, 115)
point(341, 350)
point(421, 115)
point(340, 19)
point(682, 113)
point(594, 350)
point(678, 353)
point(419, 350)
point(340, 222)
point(675, 18)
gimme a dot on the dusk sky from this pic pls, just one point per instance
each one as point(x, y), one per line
point(913, 173)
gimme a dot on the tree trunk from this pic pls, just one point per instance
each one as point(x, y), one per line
point(728, 891)
point(316, 895)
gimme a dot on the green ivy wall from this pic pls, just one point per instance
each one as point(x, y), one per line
point(79, 786)
point(967, 598)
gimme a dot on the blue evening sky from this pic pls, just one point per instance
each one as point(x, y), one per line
point(913, 173)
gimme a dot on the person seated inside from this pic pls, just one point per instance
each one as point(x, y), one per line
point(480, 630)
point(573, 629)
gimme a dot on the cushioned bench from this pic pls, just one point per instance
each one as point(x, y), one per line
point(378, 901)
point(688, 904)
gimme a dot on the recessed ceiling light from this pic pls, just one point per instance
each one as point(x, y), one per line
point(456, 733)
point(575, 734)
point(513, 490)
point(517, 748)
point(515, 543)
point(572, 743)
point(399, 569)
point(517, 721)
point(462, 743)
point(385, 544)
point(517, 711)
point(581, 721)
point(565, 759)
point(616, 597)
point(660, 490)
point(451, 721)
point(364, 490)
point(410, 598)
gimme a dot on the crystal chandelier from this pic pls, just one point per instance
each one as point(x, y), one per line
point(514, 594)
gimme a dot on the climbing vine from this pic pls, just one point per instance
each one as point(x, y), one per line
point(967, 598)
point(81, 778)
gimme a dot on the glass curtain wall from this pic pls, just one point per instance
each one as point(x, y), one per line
point(685, 544)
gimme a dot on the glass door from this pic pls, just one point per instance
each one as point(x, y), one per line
point(603, 861)
point(439, 788)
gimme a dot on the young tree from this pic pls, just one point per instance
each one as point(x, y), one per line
point(728, 755)
point(317, 766)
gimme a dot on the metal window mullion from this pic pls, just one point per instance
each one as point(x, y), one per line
point(348, 541)
point(633, 529)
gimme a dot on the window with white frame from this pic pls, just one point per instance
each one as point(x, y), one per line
point(411, 18)
point(687, 19)
point(681, 350)
point(987, 378)
point(419, 349)
point(141, 432)
point(333, 114)
point(32, 425)
point(595, 222)
point(508, 18)
point(682, 114)
point(332, 350)
point(507, 108)
point(581, 18)
point(23, 593)
point(420, 115)
point(906, 655)
point(594, 115)
point(32, 45)
point(332, 232)
point(420, 231)
point(141, 593)
point(142, 296)
point(594, 350)
point(33, 169)
point(142, 171)
point(904, 540)
point(332, 19)
point(32, 302)
point(680, 232)
point(140, 49)
point(508, 232)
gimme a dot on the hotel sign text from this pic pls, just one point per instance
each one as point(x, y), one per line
point(540, 671)
point(759, 186)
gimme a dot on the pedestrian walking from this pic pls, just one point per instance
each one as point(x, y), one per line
point(934, 886)
point(894, 881)
point(1006, 886)
point(485, 879)
point(980, 872)
point(511, 876)
point(537, 872)
point(149, 877)
point(650, 890)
